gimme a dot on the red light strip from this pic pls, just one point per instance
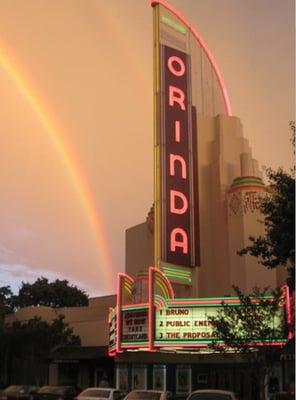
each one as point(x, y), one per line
point(288, 311)
point(151, 308)
point(118, 315)
point(121, 276)
point(134, 345)
point(205, 48)
point(218, 302)
point(179, 345)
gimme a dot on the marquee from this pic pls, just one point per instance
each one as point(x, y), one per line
point(161, 321)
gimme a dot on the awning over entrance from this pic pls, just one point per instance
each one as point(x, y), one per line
point(78, 353)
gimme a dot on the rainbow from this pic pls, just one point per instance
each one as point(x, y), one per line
point(74, 170)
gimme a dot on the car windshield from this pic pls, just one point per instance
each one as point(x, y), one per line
point(210, 396)
point(53, 389)
point(143, 395)
point(95, 393)
point(16, 389)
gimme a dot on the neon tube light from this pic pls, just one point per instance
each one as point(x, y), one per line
point(203, 45)
point(176, 270)
point(118, 315)
point(151, 309)
point(288, 311)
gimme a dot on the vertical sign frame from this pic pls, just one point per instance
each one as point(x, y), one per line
point(176, 231)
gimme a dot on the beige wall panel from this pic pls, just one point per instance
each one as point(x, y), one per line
point(138, 249)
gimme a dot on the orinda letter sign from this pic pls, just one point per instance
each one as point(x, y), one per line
point(177, 166)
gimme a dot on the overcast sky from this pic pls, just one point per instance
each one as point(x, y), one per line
point(76, 165)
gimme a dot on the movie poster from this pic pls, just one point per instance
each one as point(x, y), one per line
point(159, 377)
point(183, 379)
point(122, 378)
point(139, 377)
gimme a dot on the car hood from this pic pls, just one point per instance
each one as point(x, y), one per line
point(92, 398)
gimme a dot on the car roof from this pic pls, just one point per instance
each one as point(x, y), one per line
point(212, 391)
point(99, 388)
point(148, 391)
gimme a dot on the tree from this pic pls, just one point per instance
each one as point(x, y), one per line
point(277, 247)
point(25, 347)
point(244, 328)
point(52, 294)
point(5, 302)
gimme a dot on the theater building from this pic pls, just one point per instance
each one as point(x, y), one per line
point(182, 261)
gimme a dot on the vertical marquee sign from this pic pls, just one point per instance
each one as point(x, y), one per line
point(176, 208)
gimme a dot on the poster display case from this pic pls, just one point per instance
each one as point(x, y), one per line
point(183, 379)
point(139, 377)
point(122, 377)
point(159, 377)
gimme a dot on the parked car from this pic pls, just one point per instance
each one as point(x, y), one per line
point(18, 392)
point(209, 394)
point(57, 393)
point(95, 393)
point(148, 395)
point(284, 396)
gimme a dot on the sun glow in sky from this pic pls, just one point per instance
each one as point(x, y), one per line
point(76, 121)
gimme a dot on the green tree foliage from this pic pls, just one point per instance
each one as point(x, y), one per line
point(277, 247)
point(252, 322)
point(242, 328)
point(58, 293)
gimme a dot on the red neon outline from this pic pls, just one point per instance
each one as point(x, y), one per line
point(173, 70)
point(288, 311)
point(133, 346)
point(151, 309)
point(173, 303)
point(177, 157)
point(118, 315)
point(205, 48)
point(181, 345)
point(120, 276)
point(173, 208)
point(179, 99)
point(174, 243)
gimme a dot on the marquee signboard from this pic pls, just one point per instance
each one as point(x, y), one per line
point(185, 325)
point(134, 325)
point(164, 322)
